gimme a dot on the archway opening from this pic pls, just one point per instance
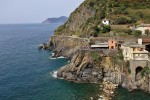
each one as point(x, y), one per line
point(148, 47)
point(138, 73)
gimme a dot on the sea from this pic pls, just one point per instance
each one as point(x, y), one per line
point(26, 72)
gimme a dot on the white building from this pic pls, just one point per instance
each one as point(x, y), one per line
point(105, 21)
point(134, 51)
point(143, 27)
point(100, 46)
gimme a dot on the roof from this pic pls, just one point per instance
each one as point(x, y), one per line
point(99, 45)
point(146, 40)
point(132, 45)
point(144, 25)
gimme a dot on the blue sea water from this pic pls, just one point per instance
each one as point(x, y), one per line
point(25, 70)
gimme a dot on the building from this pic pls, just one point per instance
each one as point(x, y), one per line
point(104, 45)
point(112, 44)
point(134, 51)
point(143, 27)
point(105, 21)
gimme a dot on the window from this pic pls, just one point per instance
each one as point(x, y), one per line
point(112, 47)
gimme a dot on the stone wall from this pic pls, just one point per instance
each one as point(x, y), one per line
point(134, 64)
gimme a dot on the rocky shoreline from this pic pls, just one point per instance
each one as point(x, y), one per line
point(92, 67)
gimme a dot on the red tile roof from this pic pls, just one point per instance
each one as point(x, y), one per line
point(146, 40)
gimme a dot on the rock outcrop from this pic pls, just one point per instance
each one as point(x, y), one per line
point(67, 45)
point(81, 69)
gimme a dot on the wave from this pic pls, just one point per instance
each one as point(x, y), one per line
point(61, 57)
point(54, 74)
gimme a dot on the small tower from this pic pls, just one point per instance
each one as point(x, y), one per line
point(112, 44)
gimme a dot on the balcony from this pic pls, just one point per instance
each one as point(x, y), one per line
point(140, 52)
point(140, 57)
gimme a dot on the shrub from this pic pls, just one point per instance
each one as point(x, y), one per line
point(128, 31)
point(91, 42)
point(122, 20)
point(140, 14)
point(60, 28)
point(106, 29)
point(102, 14)
point(145, 71)
point(137, 33)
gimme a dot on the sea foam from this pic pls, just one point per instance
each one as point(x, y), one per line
point(54, 74)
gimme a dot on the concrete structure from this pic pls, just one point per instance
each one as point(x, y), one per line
point(100, 46)
point(134, 65)
point(105, 21)
point(111, 45)
point(137, 56)
point(143, 27)
point(134, 51)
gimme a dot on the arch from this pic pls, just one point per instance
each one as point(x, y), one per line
point(147, 47)
point(138, 71)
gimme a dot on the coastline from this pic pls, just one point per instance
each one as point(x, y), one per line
point(79, 59)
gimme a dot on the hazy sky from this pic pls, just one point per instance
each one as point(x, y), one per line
point(35, 11)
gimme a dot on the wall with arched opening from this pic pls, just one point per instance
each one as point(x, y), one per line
point(138, 71)
point(147, 47)
point(136, 67)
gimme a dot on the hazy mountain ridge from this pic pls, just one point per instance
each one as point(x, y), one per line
point(61, 19)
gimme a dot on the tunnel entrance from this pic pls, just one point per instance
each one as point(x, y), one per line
point(148, 47)
point(138, 73)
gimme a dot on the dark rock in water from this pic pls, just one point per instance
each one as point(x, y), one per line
point(56, 54)
point(43, 46)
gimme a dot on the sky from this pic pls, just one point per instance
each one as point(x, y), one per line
point(35, 11)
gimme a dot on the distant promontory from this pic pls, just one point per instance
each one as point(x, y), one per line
point(61, 19)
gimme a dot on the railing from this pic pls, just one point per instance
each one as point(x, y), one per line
point(140, 51)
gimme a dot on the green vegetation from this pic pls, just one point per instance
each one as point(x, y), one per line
point(96, 57)
point(106, 28)
point(145, 71)
point(137, 33)
point(91, 42)
point(86, 20)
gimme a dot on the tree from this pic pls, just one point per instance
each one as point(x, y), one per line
point(106, 28)
point(128, 31)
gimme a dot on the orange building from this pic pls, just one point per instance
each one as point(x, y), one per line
point(112, 43)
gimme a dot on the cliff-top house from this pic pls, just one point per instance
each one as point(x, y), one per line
point(134, 51)
point(143, 27)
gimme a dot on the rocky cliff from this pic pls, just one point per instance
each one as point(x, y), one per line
point(90, 66)
point(67, 45)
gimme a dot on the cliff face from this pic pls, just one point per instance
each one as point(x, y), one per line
point(84, 68)
point(81, 69)
point(83, 19)
point(66, 45)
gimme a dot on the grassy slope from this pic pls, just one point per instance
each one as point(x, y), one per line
point(86, 19)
